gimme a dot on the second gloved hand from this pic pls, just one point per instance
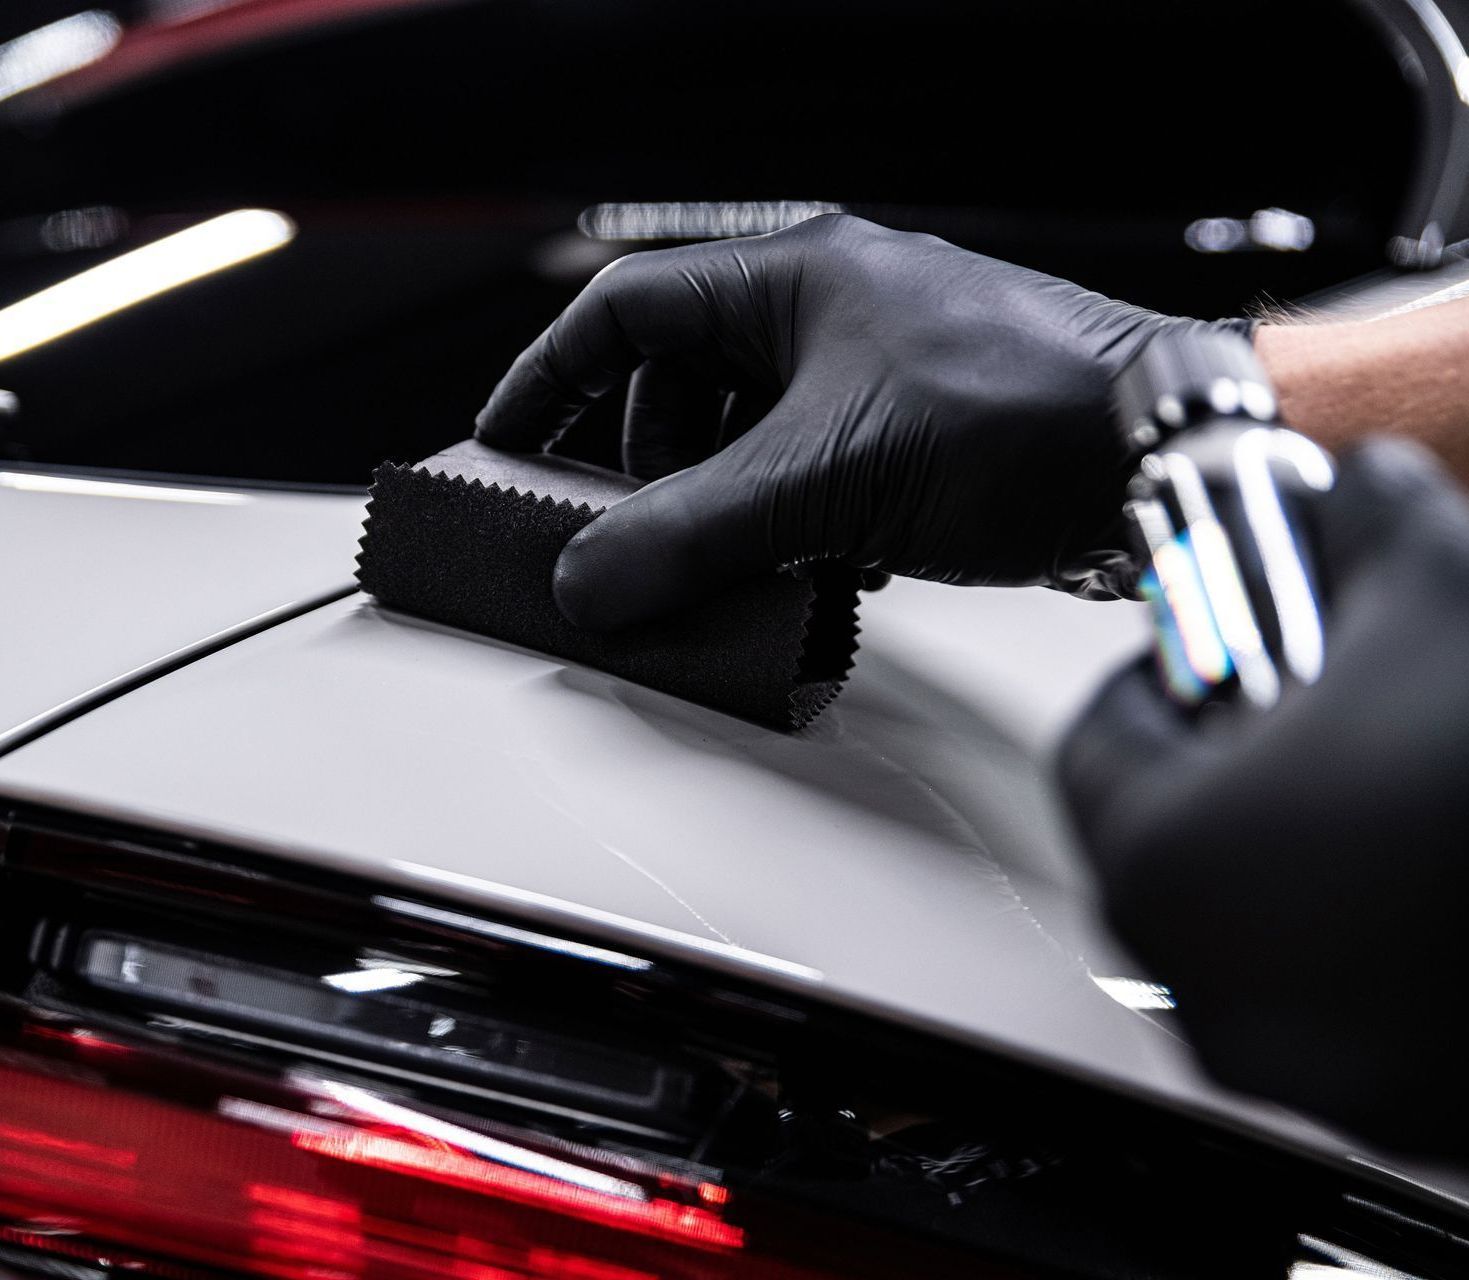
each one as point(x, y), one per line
point(834, 391)
point(1299, 876)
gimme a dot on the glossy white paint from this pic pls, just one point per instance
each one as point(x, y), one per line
point(102, 581)
point(903, 855)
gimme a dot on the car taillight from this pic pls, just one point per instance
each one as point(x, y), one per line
point(175, 1170)
point(215, 1064)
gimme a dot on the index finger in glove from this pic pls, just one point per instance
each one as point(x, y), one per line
point(646, 305)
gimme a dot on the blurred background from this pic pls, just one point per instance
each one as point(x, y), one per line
point(444, 175)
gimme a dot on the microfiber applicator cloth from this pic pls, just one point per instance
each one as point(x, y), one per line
point(470, 537)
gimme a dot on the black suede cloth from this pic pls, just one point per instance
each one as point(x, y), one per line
point(470, 537)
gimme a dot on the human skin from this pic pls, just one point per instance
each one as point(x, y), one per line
point(1403, 375)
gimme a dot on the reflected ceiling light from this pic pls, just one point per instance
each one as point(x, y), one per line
point(696, 219)
point(1282, 230)
point(1216, 235)
point(366, 1103)
point(1451, 293)
point(1134, 993)
point(623, 925)
point(1446, 40)
point(1330, 1271)
point(508, 933)
point(1338, 1263)
point(1274, 230)
point(74, 230)
point(360, 981)
point(141, 274)
point(77, 486)
point(56, 50)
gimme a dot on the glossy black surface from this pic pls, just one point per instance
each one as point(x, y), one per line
point(790, 1102)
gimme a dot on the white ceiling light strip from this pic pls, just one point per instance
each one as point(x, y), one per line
point(56, 50)
point(141, 274)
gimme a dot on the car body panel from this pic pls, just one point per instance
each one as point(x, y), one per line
point(904, 855)
point(105, 580)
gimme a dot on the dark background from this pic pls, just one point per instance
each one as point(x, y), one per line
point(436, 161)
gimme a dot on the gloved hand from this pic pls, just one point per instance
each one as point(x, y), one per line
point(837, 391)
point(1300, 876)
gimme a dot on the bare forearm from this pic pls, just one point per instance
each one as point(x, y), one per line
point(1405, 375)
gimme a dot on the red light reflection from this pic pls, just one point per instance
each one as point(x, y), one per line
point(90, 1152)
point(564, 1268)
point(77, 1038)
point(222, 1191)
point(185, 1187)
point(299, 1202)
point(662, 1218)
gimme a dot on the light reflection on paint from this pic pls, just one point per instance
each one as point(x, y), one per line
point(369, 1104)
point(1446, 40)
point(361, 981)
point(432, 1150)
point(82, 230)
point(582, 913)
point(664, 1219)
point(1339, 1263)
point(508, 933)
point(1273, 230)
point(1135, 993)
point(56, 50)
point(140, 274)
point(82, 487)
point(697, 219)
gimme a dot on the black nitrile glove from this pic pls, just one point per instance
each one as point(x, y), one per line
point(837, 391)
point(1300, 876)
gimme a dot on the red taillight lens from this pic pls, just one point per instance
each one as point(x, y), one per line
point(261, 1188)
point(175, 1169)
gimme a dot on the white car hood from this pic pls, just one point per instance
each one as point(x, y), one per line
point(102, 581)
